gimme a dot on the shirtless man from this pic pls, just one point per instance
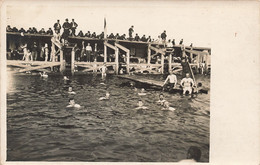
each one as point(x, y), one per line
point(73, 104)
point(187, 83)
point(172, 81)
point(161, 99)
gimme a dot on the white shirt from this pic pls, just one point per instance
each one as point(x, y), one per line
point(88, 48)
point(172, 78)
point(187, 82)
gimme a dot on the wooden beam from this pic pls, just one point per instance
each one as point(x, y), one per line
point(122, 47)
point(117, 60)
point(162, 63)
point(105, 51)
point(170, 63)
point(110, 46)
point(72, 61)
point(14, 62)
point(149, 54)
point(157, 50)
point(127, 61)
point(38, 67)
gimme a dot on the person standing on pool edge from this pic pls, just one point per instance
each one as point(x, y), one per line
point(187, 83)
point(172, 81)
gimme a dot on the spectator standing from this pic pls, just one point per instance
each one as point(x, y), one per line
point(83, 52)
point(66, 30)
point(88, 52)
point(34, 51)
point(163, 36)
point(173, 42)
point(57, 26)
point(181, 42)
point(131, 30)
point(74, 26)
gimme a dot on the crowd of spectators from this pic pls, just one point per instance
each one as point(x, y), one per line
point(69, 29)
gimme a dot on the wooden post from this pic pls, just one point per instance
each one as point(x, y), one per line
point(105, 52)
point(191, 54)
point(149, 54)
point(197, 62)
point(127, 61)
point(170, 63)
point(117, 60)
point(162, 63)
point(72, 61)
point(62, 63)
point(206, 62)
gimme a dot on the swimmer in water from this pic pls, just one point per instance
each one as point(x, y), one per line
point(141, 105)
point(71, 91)
point(161, 99)
point(72, 104)
point(65, 78)
point(44, 75)
point(142, 93)
point(106, 97)
point(166, 107)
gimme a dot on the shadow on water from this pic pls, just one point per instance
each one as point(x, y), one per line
point(41, 128)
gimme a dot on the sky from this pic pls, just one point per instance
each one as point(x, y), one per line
point(185, 20)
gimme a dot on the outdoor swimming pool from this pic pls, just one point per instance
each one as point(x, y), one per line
point(41, 128)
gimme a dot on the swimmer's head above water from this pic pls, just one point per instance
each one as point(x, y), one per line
point(161, 97)
point(107, 95)
point(140, 103)
point(71, 102)
point(70, 89)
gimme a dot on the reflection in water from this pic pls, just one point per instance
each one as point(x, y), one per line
point(41, 128)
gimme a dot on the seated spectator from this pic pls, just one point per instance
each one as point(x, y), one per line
point(88, 34)
point(173, 42)
point(42, 31)
point(22, 30)
point(181, 41)
point(137, 38)
point(149, 39)
point(15, 29)
point(122, 37)
point(101, 36)
point(49, 31)
point(169, 44)
point(191, 45)
point(9, 29)
point(117, 36)
point(94, 35)
point(143, 38)
point(29, 30)
point(34, 30)
point(80, 34)
point(111, 36)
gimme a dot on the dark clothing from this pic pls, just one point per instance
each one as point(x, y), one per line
point(131, 30)
point(173, 42)
point(66, 27)
point(94, 35)
point(181, 42)
point(117, 36)
point(143, 39)
point(111, 36)
point(163, 36)
point(88, 35)
point(34, 30)
point(22, 30)
point(50, 32)
point(57, 27)
point(122, 37)
point(137, 38)
point(42, 31)
point(15, 29)
point(74, 26)
point(80, 34)
point(149, 39)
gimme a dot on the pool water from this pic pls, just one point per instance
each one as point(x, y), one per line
point(41, 128)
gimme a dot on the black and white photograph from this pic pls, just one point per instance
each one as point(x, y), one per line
point(108, 82)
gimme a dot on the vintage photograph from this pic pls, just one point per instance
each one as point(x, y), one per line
point(108, 82)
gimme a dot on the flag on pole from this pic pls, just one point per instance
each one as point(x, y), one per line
point(105, 28)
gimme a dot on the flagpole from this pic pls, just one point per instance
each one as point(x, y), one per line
point(105, 40)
